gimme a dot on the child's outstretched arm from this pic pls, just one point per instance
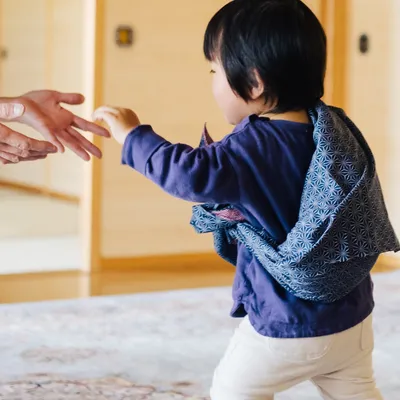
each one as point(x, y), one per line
point(195, 174)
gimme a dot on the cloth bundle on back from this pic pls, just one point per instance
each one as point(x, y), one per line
point(343, 222)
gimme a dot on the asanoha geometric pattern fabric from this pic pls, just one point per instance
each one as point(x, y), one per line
point(343, 223)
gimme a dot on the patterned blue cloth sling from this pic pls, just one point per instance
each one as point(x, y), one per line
point(343, 221)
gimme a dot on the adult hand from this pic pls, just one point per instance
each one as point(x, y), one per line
point(15, 147)
point(44, 113)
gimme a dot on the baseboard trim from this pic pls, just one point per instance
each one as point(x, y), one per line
point(186, 263)
point(196, 262)
point(38, 190)
point(202, 262)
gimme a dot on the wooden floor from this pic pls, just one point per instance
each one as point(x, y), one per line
point(69, 285)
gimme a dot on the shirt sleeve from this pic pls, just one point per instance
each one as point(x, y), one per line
point(202, 174)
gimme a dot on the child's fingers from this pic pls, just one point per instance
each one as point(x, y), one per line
point(105, 109)
point(106, 116)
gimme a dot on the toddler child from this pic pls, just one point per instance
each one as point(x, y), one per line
point(287, 179)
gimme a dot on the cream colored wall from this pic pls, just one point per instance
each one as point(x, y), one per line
point(374, 89)
point(22, 35)
point(165, 78)
point(45, 50)
point(66, 69)
point(315, 6)
point(370, 78)
point(393, 146)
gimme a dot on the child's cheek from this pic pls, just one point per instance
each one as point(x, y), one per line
point(218, 92)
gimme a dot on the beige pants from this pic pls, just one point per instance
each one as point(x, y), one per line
point(255, 367)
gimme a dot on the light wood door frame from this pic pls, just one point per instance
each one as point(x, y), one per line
point(91, 199)
point(334, 17)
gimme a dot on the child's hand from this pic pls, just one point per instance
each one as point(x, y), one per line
point(121, 121)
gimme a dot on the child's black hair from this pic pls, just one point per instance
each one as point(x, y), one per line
point(280, 39)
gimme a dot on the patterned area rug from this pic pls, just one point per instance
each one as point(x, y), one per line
point(148, 347)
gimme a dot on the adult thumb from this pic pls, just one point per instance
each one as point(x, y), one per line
point(10, 111)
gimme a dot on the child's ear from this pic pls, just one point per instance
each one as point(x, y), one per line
point(258, 89)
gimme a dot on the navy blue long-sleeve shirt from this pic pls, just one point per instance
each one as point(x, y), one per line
point(260, 169)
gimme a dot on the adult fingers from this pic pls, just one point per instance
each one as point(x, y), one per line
point(24, 143)
point(11, 158)
point(34, 158)
point(88, 126)
point(3, 161)
point(74, 144)
point(69, 98)
point(85, 144)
